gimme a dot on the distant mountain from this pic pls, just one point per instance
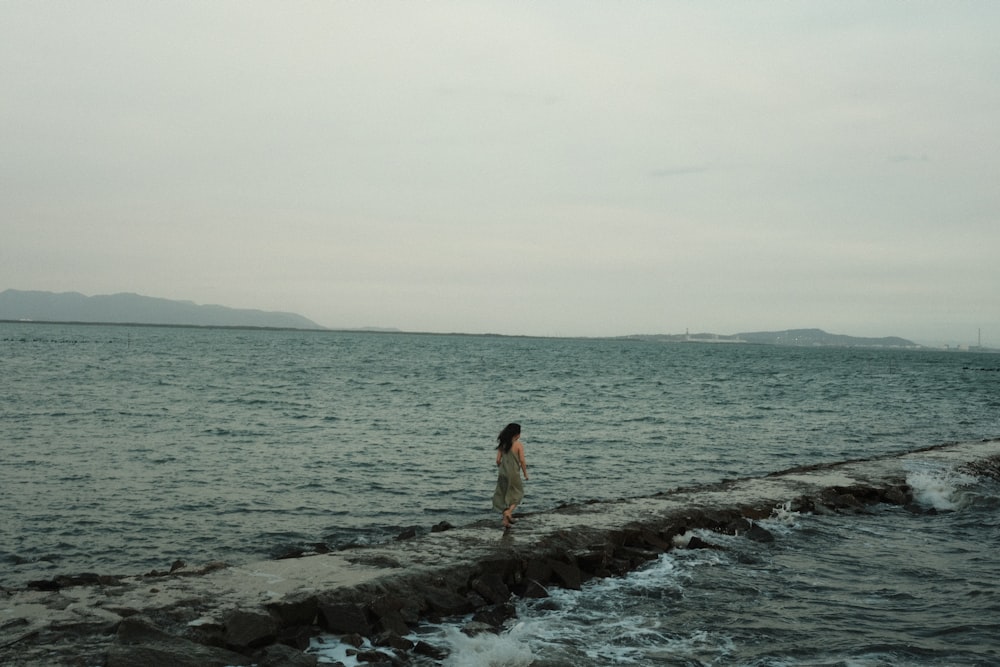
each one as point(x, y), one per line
point(136, 309)
point(818, 337)
point(801, 337)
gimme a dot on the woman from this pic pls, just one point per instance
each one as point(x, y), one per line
point(510, 460)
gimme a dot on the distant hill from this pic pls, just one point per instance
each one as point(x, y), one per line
point(136, 309)
point(800, 337)
point(814, 337)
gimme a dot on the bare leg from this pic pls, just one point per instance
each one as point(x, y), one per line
point(508, 516)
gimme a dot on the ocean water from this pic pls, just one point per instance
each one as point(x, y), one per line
point(125, 448)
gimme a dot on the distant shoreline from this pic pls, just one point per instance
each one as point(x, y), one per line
point(679, 339)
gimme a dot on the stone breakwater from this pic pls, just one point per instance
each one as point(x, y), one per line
point(266, 613)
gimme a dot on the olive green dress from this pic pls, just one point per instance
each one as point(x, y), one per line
point(510, 488)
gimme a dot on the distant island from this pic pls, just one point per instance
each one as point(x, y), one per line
point(797, 337)
point(74, 307)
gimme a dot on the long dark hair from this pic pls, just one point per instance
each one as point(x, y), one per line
point(506, 438)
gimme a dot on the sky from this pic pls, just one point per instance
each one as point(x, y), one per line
point(552, 168)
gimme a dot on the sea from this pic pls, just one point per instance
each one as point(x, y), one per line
point(126, 448)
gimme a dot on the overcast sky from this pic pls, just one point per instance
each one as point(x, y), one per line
point(542, 168)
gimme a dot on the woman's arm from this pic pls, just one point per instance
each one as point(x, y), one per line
point(522, 460)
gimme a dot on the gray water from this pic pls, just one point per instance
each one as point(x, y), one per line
point(125, 448)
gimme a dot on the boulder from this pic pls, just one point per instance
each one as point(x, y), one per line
point(495, 615)
point(279, 655)
point(139, 642)
point(249, 629)
point(491, 587)
point(344, 618)
point(567, 575)
point(392, 640)
point(444, 602)
point(302, 611)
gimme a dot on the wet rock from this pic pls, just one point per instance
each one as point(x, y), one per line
point(279, 655)
point(750, 530)
point(139, 642)
point(298, 637)
point(595, 561)
point(300, 611)
point(530, 589)
point(344, 618)
point(539, 570)
point(408, 533)
point(392, 640)
point(759, 534)
point(491, 587)
point(697, 543)
point(441, 527)
point(635, 556)
point(495, 615)
point(567, 575)
point(249, 629)
point(897, 495)
point(446, 603)
point(430, 651)
point(386, 609)
point(474, 628)
point(377, 658)
point(68, 581)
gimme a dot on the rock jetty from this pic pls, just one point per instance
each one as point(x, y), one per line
point(266, 613)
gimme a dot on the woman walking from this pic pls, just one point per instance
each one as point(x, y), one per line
point(510, 461)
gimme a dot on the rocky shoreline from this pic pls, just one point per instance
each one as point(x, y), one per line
point(267, 613)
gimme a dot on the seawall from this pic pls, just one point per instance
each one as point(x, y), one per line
point(265, 612)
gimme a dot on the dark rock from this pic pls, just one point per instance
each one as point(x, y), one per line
point(446, 603)
point(654, 540)
point(177, 565)
point(595, 562)
point(474, 628)
point(495, 615)
point(441, 527)
point(898, 495)
point(539, 570)
point(635, 556)
point(737, 526)
point(44, 585)
point(393, 640)
point(249, 629)
point(492, 587)
point(697, 543)
point(567, 575)
point(355, 640)
point(408, 533)
point(139, 642)
point(475, 600)
point(279, 655)
point(298, 637)
point(427, 650)
point(528, 588)
point(387, 611)
point(376, 657)
point(758, 534)
point(344, 618)
point(302, 611)
point(756, 513)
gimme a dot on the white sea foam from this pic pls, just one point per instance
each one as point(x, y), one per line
point(940, 488)
point(509, 649)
